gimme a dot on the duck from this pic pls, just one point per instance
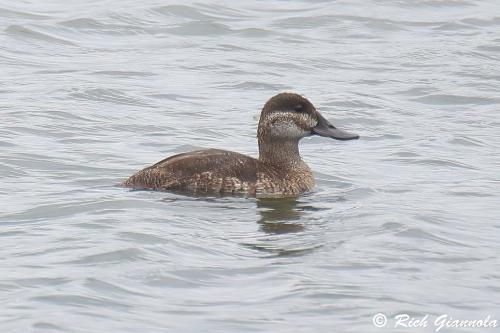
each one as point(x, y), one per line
point(279, 170)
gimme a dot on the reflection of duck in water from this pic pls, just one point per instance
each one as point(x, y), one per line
point(278, 172)
point(279, 216)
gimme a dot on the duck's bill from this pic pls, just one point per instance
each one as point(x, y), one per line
point(325, 128)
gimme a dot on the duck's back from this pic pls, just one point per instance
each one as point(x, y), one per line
point(202, 171)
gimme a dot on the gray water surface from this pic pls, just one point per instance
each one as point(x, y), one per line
point(404, 220)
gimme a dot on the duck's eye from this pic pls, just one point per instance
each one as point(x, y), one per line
point(298, 108)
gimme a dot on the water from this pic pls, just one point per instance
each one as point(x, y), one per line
point(404, 220)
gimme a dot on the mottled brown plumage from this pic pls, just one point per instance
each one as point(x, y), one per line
point(278, 172)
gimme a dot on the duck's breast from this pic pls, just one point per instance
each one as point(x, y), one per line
point(275, 181)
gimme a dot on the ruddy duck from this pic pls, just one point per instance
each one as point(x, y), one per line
point(278, 172)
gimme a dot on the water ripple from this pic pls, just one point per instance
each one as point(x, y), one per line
point(108, 95)
point(80, 301)
point(111, 257)
point(18, 31)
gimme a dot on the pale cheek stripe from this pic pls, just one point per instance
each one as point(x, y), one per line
point(287, 116)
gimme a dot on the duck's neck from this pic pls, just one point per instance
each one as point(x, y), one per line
point(283, 153)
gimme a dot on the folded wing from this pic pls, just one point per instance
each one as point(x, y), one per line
point(202, 171)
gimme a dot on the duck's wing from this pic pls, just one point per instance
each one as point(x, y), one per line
point(202, 171)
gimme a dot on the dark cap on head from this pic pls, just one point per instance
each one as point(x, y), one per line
point(288, 102)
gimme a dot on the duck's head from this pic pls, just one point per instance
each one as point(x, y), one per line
point(288, 116)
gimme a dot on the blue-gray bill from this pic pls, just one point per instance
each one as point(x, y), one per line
point(325, 128)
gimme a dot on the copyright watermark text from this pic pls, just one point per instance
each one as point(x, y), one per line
point(403, 320)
